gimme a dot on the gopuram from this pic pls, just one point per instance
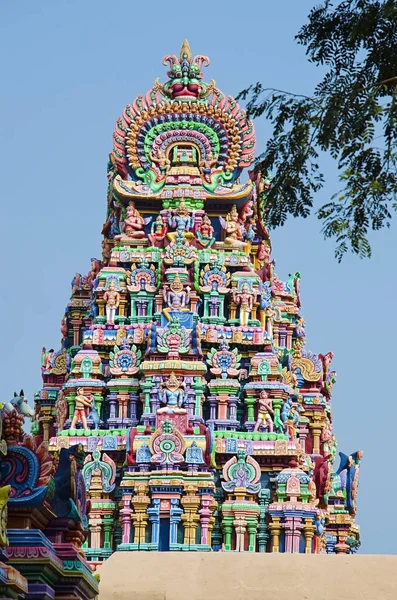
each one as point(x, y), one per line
point(183, 410)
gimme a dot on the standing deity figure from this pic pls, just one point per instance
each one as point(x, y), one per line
point(162, 163)
point(205, 232)
point(263, 261)
point(292, 422)
point(173, 395)
point(112, 299)
point(245, 299)
point(265, 412)
point(158, 231)
point(181, 221)
point(175, 297)
point(300, 329)
point(64, 327)
point(250, 231)
point(61, 407)
point(46, 358)
point(263, 254)
point(82, 404)
point(133, 223)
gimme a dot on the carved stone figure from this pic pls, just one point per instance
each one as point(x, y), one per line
point(265, 411)
point(61, 407)
point(158, 231)
point(205, 232)
point(180, 220)
point(112, 299)
point(133, 223)
point(173, 395)
point(244, 299)
point(82, 403)
point(175, 297)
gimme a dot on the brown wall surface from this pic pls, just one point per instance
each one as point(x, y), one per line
point(243, 576)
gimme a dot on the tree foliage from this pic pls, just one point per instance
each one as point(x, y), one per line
point(352, 115)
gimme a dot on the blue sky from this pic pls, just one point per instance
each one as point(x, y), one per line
point(68, 69)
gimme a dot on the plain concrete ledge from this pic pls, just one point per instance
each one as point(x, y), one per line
point(243, 576)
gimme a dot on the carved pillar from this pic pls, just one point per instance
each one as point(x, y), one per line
point(76, 323)
point(275, 531)
point(227, 526)
point(250, 403)
point(140, 517)
point(122, 399)
point(46, 420)
point(107, 530)
point(252, 525)
point(175, 518)
point(154, 518)
point(213, 402)
point(232, 407)
point(112, 397)
point(222, 406)
point(308, 531)
point(125, 517)
point(316, 429)
point(132, 409)
point(205, 515)
point(190, 518)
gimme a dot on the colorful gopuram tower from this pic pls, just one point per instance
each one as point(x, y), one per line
point(183, 370)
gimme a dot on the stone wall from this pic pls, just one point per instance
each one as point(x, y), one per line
point(232, 576)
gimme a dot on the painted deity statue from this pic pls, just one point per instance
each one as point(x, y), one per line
point(206, 165)
point(173, 395)
point(181, 221)
point(244, 299)
point(158, 231)
point(112, 299)
point(292, 422)
point(175, 297)
point(250, 232)
point(61, 407)
point(46, 358)
point(161, 161)
point(233, 229)
point(82, 404)
point(265, 412)
point(205, 232)
point(133, 223)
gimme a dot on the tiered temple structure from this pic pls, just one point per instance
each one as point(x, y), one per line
point(183, 372)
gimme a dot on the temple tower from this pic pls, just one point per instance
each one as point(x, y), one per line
point(183, 370)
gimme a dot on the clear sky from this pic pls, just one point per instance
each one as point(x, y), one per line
point(68, 68)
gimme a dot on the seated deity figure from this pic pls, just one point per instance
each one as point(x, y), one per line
point(206, 165)
point(194, 454)
point(173, 395)
point(245, 299)
point(82, 403)
point(233, 229)
point(112, 299)
point(181, 221)
point(265, 412)
point(205, 232)
point(134, 223)
point(175, 297)
point(158, 231)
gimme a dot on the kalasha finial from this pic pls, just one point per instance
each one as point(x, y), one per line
point(185, 52)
